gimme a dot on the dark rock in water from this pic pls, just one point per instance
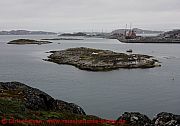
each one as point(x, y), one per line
point(27, 41)
point(35, 99)
point(135, 119)
point(166, 119)
point(101, 60)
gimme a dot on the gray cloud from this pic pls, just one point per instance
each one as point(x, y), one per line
point(73, 15)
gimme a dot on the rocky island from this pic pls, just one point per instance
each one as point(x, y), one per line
point(101, 60)
point(22, 105)
point(27, 41)
point(63, 39)
point(74, 34)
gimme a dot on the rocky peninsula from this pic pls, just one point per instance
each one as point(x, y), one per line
point(172, 37)
point(27, 41)
point(21, 102)
point(101, 60)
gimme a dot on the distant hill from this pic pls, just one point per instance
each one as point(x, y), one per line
point(175, 34)
point(138, 31)
point(25, 32)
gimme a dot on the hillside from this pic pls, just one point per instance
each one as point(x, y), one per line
point(137, 30)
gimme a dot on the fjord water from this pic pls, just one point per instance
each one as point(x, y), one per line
point(105, 94)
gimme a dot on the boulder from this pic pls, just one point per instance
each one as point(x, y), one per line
point(135, 119)
point(166, 119)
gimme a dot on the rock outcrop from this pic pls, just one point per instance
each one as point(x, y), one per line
point(166, 119)
point(135, 119)
point(36, 99)
point(24, 102)
point(101, 60)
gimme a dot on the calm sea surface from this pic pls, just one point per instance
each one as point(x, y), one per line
point(105, 94)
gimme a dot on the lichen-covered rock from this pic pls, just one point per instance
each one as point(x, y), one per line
point(35, 99)
point(166, 119)
point(161, 119)
point(135, 119)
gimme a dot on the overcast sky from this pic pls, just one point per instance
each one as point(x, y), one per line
point(89, 15)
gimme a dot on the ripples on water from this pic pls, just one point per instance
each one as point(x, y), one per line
point(105, 94)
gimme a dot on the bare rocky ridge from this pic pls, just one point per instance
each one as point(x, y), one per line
point(101, 60)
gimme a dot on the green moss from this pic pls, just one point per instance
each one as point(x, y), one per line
point(15, 108)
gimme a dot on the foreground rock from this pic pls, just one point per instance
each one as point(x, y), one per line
point(21, 105)
point(162, 119)
point(28, 41)
point(135, 119)
point(35, 99)
point(166, 119)
point(21, 102)
point(101, 60)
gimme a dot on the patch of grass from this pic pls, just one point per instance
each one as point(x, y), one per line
point(15, 108)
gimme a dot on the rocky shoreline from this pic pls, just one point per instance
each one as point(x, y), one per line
point(25, 102)
point(101, 60)
point(27, 41)
point(141, 39)
point(172, 37)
